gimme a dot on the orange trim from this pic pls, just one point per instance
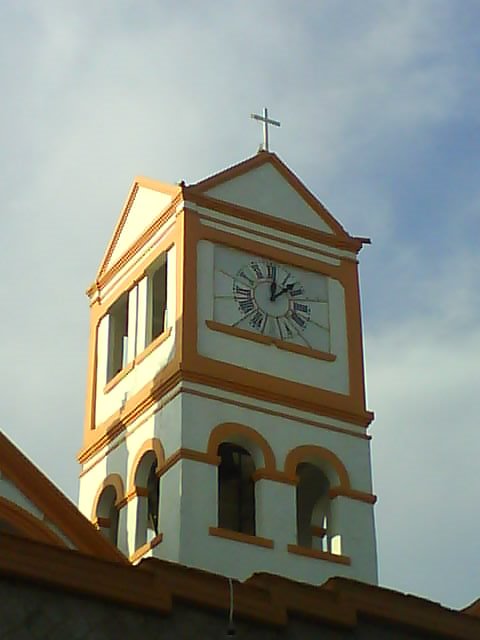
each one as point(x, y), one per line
point(26, 524)
point(269, 236)
point(118, 376)
point(112, 480)
point(224, 432)
point(257, 161)
point(53, 504)
point(199, 368)
point(141, 551)
point(102, 523)
point(241, 537)
point(152, 444)
point(188, 454)
point(266, 220)
point(262, 599)
point(278, 414)
point(362, 496)
point(280, 344)
point(275, 476)
point(319, 555)
point(306, 452)
point(68, 571)
point(153, 345)
point(167, 189)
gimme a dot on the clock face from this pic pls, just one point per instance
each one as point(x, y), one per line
point(276, 300)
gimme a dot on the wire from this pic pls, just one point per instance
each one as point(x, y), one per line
point(231, 628)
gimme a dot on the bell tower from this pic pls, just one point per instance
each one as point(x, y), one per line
point(226, 426)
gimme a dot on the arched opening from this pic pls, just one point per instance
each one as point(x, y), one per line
point(236, 489)
point(147, 484)
point(107, 513)
point(313, 507)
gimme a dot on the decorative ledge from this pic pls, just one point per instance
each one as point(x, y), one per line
point(241, 537)
point(268, 340)
point(318, 555)
point(117, 377)
point(137, 360)
point(153, 345)
point(141, 551)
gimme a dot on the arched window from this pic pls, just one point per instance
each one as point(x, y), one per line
point(147, 484)
point(107, 513)
point(313, 507)
point(236, 489)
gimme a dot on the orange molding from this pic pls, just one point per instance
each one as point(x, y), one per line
point(278, 414)
point(280, 344)
point(137, 360)
point(239, 433)
point(75, 572)
point(141, 551)
point(283, 240)
point(152, 444)
point(318, 555)
point(118, 376)
point(275, 476)
point(112, 480)
point(347, 492)
point(308, 452)
point(153, 345)
point(267, 220)
point(241, 537)
point(55, 506)
point(106, 270)
point(263, 158)
point(102, 523)
point(27, 525)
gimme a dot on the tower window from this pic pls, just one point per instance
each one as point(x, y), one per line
point(117, 336)
point(107, 514)
point(313, 507)
point(236, 489)
point(147, 508)
point(157, 300)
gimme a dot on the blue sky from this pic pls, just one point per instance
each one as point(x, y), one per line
point(380, 112)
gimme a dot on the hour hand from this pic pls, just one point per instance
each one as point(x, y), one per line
point(273, 289)
point(288, 287)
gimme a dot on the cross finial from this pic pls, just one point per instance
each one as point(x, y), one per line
point(266, 121)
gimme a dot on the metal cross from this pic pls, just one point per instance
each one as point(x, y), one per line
point(266, 121)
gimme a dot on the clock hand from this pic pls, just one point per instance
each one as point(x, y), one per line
point(288, 287)
point(273, 288)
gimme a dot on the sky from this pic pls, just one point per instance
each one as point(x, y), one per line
point(380, 112)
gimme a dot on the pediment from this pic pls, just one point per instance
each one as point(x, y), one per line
point(145, 203)
point(264, 183)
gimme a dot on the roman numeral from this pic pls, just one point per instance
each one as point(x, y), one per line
point(298, 320)
point(242, 292)
point(257, 320)
point(256, 268)
point(304, 308)
point(271, 271)
point(296, 292)
point(246, 305)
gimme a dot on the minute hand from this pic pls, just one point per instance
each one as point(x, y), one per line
point(288, 287)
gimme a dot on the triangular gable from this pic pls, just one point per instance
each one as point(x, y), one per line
point(145, 203)
point(264, 183)
point(32, 506)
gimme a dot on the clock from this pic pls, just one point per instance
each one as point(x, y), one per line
point(279, 301)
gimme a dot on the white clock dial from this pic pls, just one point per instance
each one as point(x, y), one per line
point(276, 300)
point(270, 299)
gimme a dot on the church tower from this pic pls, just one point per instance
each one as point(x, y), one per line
point(226, 426)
